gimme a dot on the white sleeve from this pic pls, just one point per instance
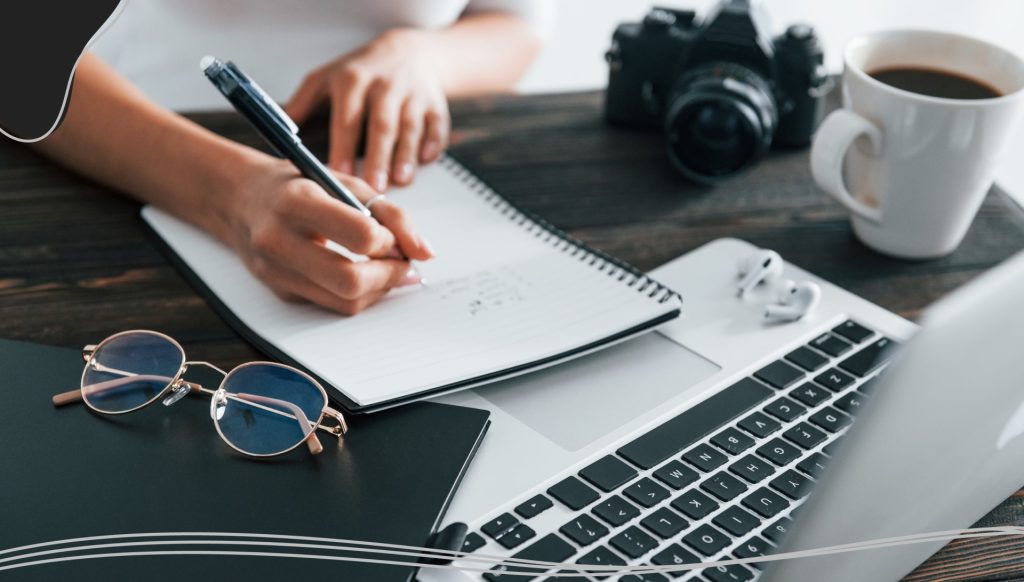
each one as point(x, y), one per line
point(539, 14)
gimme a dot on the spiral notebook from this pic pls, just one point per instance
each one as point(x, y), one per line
point(507, 293)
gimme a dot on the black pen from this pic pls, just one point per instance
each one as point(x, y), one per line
point(275, 126)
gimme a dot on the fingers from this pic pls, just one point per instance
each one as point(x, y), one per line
point(310, 94)
point(291, 286)
point(383, 110)
point(392, 217)
point(315, 213)
point(410, 133)
point(435, 136)
point(348, 104)
point(335, 273)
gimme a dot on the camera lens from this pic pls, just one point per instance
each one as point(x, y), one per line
point(720, 120)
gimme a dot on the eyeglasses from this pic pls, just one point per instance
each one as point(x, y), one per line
point(260, 409)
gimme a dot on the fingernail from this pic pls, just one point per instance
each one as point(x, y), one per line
point(423, 244)
point(380, 181)
point(404, 173)
point(412, 277)
point(394, 253)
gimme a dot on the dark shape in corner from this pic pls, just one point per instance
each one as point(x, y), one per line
point(41, 43)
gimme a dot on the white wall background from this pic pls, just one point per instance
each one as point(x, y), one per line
point(573, 58)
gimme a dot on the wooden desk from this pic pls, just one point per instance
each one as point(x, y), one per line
point(76, 264)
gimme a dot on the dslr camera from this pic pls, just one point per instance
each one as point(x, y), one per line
point(722, 90)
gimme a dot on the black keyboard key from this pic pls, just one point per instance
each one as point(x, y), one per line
point(791, 484)
point(696, 423)
point(473, 542)
point(811, 394)
point(831, 419)
point(652, 577)
point(573, 493)
point(533, 506)
point(500, 525)
point(765, 503)
point(599, 556)
point(732, 441)
point(646, 492)
point(707, 540)
point(807, 359)
point(515, 538)
point(779, 452)
point(830, 449)
point(754, 547)
point(695, 504)
point(675, 555)
point(752, 469)
point(805, 435)
point(664, 523)
point(736, 521)
point(850, 403)
point(584, 530)
point(759, 424)
point(870, 358)
point(723, 486)
point(852, 331)
point(675, 474)
point(779, 374)
point(549, 548)
point(834, 379)
point(608, 472)
point(633, 542)
point(731, 573)
point(776, 531)
point(868, 387)
point(616, 511)
point(813, 465)
point(784, 409)
point(705, 457)
point(831, 344)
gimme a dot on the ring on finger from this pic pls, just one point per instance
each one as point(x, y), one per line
point(374, 200)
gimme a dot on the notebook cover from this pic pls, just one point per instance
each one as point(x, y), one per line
point(70, 473)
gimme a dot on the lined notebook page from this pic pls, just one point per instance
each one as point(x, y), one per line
point(501, 293)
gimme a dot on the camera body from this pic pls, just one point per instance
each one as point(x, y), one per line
point(722, 90)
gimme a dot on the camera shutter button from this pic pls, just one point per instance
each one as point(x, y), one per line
point(800, 32)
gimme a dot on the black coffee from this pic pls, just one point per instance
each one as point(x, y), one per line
point(935, 83)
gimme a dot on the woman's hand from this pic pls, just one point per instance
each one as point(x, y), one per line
point(394, 86)
point(279, 222)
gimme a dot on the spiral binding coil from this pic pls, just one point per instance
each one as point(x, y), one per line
point(558, 238)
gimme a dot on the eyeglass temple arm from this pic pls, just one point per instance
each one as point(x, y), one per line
point(312, 442)
point(73, 396)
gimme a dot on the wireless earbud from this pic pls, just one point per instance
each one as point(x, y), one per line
point(763, 266)
point(796, 300)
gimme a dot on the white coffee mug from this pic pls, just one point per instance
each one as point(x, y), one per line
point(919, 166)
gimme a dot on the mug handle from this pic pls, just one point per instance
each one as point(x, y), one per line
point(831, 142)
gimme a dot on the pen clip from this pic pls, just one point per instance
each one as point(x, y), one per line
point(264, 100)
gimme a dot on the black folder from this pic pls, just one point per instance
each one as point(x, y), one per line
point(71, 473)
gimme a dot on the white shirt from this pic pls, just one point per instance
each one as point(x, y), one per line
point(157, 44)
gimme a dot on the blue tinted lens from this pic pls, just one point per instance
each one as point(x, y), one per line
point(269, 408)
point(129, 370)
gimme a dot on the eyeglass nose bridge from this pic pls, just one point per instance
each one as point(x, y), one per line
point(202, 364)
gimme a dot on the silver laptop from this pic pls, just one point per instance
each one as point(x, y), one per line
point(700, 441)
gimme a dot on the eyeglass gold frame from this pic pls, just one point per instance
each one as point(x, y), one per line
point(177, 383)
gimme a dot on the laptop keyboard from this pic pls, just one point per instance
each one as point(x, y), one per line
point(719, 480)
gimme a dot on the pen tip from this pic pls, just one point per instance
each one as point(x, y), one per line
point(205, 62)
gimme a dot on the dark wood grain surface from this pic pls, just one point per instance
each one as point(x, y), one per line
point(76, 263)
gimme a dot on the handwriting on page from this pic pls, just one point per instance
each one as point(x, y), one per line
point(483, 291)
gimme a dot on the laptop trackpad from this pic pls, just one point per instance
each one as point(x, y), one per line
point(574, 403)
